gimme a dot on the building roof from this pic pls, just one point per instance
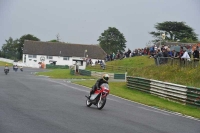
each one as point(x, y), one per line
point(63, 49)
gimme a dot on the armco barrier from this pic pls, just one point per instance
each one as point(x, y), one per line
point(119, 76)
point(184, 94)
point(193, 96)
point(169, 90)
point(138, 83)
point(84, 72)
point(57, 66)
point(72, 71)
point(99, 74)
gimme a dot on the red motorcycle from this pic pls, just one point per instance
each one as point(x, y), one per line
point(99, 97)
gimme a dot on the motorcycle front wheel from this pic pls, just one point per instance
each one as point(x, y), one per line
point(88, 103)
point(101, 103)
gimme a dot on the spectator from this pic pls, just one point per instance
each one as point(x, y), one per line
point(185, 55)
point(196, 56)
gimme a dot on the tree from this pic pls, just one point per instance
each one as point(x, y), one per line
point(54, 40)
point(21, 42)
point(174, 31)
point(112, 40)
point(9, 49)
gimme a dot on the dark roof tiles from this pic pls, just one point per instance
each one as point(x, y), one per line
point(62, 49)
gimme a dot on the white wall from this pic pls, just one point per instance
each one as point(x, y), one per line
point(30, 61)
point(6, 60)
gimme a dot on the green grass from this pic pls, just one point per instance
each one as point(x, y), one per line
point(62, 74)
point(120, 89)
point(121, 66)
point(4, 63)
point(173, 74)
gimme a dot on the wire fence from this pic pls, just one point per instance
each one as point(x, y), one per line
point(192, 63)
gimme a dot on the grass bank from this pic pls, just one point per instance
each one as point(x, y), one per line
point(120, 89)
point(143, 66)
point(173, 74)
point(4, 63)
point(62, 74)
point(121, 66)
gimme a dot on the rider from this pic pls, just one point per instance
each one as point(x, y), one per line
point(99, 82)
point(6, 67)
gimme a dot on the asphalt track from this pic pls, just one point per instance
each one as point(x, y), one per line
point(37, 104)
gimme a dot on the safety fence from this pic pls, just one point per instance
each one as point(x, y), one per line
point(180, 93)
point(57, 66)
point(192, 63)
point(121, 76)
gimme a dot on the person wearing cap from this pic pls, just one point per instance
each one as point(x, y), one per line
point(6, 67)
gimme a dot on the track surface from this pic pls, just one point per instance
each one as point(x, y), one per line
point(35, 104)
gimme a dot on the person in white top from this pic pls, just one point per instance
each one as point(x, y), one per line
point(185, 55)
point(155, 48)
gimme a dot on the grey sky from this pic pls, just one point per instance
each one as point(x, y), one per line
point(82, 21)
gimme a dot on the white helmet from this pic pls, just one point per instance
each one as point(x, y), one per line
point(105, 77)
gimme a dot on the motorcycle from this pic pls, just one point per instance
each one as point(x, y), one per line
point(99, 97)
point(21, 69)
point(6, 71)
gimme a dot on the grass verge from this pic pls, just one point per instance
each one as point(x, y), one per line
point(4, 63)
point(120, 89)
point(62, 74)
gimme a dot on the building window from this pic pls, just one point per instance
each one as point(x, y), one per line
point(65, 58)
point(32, 56)
point(49, 57)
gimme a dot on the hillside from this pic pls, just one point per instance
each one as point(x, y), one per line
point(142, 66)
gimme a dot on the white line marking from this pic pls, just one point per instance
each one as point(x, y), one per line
point(153, 110)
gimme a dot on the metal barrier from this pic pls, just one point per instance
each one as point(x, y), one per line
point(138, 83)
point(177, 61)
point(84, 72)
point(72, 72)
point(48, 66)
point(99, 74)
point(180, 93)
point(193, 96)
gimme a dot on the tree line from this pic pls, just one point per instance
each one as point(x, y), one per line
point(111, 40)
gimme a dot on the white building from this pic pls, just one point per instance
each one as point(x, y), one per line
point(36, 52)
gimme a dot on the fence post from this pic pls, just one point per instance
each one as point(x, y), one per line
point(125, 76)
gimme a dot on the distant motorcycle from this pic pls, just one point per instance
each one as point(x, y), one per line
point(6, 71)
point(21, 69)
point(15, 68)
point(99, 97)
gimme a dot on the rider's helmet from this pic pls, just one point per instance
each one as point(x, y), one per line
point(6, 64)
point(105, 77)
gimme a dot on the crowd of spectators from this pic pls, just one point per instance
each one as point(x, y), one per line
point(178, 52)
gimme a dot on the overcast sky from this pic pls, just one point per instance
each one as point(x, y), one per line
point(82, 21)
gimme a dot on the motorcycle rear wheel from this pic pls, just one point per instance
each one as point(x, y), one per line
point(101, 103)
point(88, 104)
